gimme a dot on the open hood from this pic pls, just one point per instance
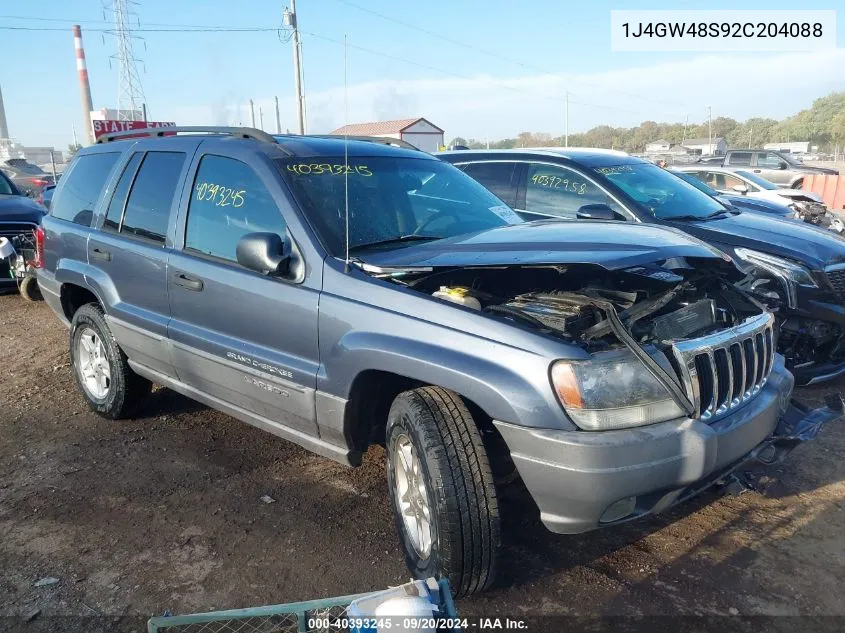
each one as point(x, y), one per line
point(800, 194)
point(612, 245)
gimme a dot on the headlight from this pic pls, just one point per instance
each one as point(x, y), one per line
point(789, 272)
point(612, 390)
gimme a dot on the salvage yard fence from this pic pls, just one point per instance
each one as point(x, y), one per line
point(313, 616)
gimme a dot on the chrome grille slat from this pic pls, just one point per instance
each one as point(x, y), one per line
point(723, 370)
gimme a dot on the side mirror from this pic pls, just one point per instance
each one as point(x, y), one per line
point(783, 165)
point(743, 189)
point(266, 253)
point(596, 211)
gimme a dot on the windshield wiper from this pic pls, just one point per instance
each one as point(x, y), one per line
point(704, 217)
point(396, 240)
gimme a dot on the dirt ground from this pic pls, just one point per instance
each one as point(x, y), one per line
point(165, 513)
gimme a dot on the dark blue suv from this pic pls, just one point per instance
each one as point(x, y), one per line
point(798, 270)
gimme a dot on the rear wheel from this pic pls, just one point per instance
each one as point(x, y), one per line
point(798, 184)
point(100, 367)
point(442, 490)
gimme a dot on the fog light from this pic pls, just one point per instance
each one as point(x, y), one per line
point(619, 510)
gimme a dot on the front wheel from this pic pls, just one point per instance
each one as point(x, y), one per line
point(442, 490)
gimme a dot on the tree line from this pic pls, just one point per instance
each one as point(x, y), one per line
point(823, 125)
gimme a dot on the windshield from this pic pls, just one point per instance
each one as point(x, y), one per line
point(391, 200)
point(660, 193)
point(5, 186)
point(760, 182)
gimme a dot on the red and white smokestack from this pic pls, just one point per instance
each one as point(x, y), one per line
point(84, 85)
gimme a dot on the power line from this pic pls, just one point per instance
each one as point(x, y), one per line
point(215, 29)
point(502, 57)
point(461, 76)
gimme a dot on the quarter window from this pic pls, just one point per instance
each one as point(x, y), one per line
point(148, 207)
point(82, 187)
point(561, 192)
point(121, 192)
point(497, 177)
point(228, 201)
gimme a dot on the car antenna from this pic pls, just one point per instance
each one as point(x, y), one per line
point(346, 153)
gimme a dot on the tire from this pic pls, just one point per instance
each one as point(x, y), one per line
point(124, 390)
point(434, 427)
point(29, 288)
point(798, 184)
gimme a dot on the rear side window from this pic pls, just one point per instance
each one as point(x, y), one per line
point(228, 201)
point(739, 158)
point(497, 177)
point(82, 187)
point(148, 207)
point(121, 192)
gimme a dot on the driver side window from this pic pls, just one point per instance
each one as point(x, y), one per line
point(554, 190)
point(769, 161)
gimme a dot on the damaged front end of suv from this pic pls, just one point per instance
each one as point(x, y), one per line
point(674, 380)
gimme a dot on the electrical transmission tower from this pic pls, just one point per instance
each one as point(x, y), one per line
point(130, 92)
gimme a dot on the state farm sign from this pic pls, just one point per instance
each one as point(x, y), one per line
point(110, 126)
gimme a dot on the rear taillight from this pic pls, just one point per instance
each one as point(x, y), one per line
point(39, 247)
point(39, 182)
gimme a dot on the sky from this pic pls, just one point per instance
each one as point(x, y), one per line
point(476, 68)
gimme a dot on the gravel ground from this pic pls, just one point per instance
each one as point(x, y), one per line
point(165, 513)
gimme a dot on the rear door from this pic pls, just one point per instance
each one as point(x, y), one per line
point(501, 178)
point(244, 338)
point(132, 247)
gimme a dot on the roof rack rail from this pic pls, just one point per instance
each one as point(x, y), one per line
point(240, 132)
point(371, 139)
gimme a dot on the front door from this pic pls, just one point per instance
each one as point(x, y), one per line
point(246, 339)
point(770, 166)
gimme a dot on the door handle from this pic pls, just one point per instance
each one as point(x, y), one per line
point(757, 171)
point(189, 283)
point(100, 253)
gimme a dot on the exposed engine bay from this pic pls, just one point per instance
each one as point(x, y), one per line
point(595, 307)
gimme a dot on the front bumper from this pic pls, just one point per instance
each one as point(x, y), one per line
point(576, 476)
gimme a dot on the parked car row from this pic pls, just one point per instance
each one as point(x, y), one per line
point(28, 178)
point(808, 206)
point(340, 293)
point(780, 168)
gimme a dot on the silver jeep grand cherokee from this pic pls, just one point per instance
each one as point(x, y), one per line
point(341, 292)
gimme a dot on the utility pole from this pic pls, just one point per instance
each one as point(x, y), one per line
point(260, 118)
point(710, 129)
point(566, 137)
point(251, 113)
point(290, 20)
point(278, 120)
point(751, 136)
point(684, 137)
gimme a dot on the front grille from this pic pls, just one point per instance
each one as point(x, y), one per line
point(837, 280)
point(13, 229)
point(721, 371)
